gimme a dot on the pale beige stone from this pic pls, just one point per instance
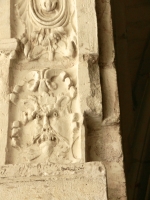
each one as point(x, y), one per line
point(53, 118)
point(5, 19)
point(58, 182)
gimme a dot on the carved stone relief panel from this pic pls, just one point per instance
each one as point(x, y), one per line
point(46, 28)
point(45, 117)
point(50, 66)
point(53, 112)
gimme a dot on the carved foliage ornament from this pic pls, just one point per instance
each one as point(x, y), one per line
point(46, 22)
point(47, 128)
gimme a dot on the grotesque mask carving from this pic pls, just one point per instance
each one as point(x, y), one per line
point(47, 128)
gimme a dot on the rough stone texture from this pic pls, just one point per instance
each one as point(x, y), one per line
point(105, 145)
point(87, 43)
point(107, 137)
point(45, 182)
point(60, 111)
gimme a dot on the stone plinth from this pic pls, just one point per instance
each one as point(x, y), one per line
point(53, 182)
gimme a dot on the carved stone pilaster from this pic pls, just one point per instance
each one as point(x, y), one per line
point(8, 49)
point(55, 100)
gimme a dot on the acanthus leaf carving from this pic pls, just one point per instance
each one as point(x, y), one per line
point(44, 102)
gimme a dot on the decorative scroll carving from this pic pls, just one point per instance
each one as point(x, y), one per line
point(49, 28)
point(47, 127)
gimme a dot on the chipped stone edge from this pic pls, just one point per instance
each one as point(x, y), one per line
point(9, 48)
point(51, 171)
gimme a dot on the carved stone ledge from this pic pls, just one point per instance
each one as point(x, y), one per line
point(53, 181)
point(9, 48)
point(41, 171)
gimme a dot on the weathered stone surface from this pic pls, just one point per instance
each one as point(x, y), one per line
point(105, 144)
point(4, 107)
point(59, 112)
point(58, 182)
point(107, 135)
point(5, 19)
